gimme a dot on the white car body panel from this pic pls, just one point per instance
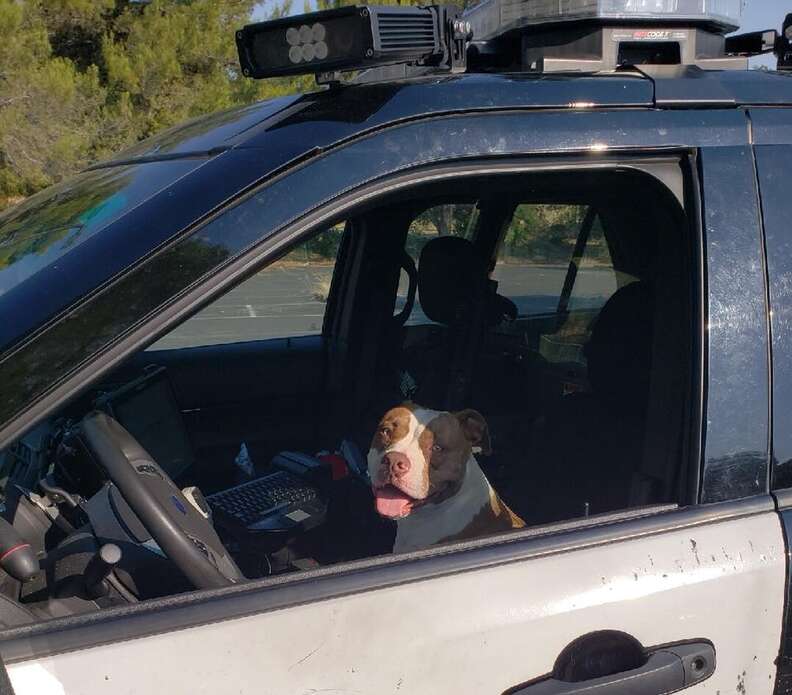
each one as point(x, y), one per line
point(477, 632)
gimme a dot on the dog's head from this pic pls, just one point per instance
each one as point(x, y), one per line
point(419, 456)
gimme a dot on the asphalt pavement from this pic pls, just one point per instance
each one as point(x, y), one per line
point(289, 300)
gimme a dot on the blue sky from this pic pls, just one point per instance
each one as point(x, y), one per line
point(757, 15)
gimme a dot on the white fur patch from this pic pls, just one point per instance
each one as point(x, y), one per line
point(415, 482)
point(434, 523)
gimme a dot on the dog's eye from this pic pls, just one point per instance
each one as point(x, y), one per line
point(436, 447)
point(384, 431)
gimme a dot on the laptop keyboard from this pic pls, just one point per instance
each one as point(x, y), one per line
point(250, 502)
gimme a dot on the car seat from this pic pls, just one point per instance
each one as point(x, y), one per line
point(455, 292)
point(589, 452)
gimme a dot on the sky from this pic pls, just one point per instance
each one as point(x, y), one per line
point(757, 15)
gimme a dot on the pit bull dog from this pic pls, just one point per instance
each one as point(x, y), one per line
point(424, 475)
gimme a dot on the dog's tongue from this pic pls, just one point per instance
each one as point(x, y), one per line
point(391, 502)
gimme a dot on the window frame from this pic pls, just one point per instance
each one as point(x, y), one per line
point(226, 275)
point(229, 275)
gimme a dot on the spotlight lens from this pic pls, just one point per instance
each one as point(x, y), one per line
point(295, 54)
point(305, 34)
point(318, 32)
point(292, 36)
point(321, 50)
point(309, 51)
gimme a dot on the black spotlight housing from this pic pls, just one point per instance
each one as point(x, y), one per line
point(352, 38)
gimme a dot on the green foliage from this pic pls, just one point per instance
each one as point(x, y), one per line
point(547, 234)
point(81, 79)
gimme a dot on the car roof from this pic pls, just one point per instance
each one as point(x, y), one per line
point(355, 108)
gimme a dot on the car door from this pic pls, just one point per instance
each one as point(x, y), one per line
point(656, 599)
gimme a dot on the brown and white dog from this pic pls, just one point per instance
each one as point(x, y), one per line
point(424, 475)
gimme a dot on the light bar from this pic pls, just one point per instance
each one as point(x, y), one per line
point(493, 17)
point(350, 38)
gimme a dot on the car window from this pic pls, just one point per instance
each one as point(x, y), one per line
point(554, 260)
point(521, 404)
point(534, 258)
point(286, 300)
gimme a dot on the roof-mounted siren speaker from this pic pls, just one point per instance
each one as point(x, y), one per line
point(595, 35)
point(353, 38)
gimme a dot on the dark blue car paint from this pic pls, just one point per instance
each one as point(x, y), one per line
point(736, 447)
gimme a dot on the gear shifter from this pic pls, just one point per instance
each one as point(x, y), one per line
point(16, 556)
point(98, 569)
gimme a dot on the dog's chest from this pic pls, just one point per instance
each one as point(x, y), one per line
point(435, 523)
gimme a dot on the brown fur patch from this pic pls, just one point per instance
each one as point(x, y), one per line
point(493, 518)
point(393, 426)
point(448, 455)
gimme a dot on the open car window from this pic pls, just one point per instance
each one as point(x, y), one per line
point(287, 300)
point(530, 374)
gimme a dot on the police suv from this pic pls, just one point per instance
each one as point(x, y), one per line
point(470, 372)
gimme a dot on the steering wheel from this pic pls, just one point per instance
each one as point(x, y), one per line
point(181, 531)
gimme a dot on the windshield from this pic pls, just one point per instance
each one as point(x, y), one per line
point(38, 234)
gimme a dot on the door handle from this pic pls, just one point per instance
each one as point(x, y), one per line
point(667, 670)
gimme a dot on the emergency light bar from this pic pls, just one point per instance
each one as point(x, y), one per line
point(495, 17)
point(602, 35)
point(353, 38)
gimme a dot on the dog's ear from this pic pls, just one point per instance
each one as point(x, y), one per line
point(475, 429)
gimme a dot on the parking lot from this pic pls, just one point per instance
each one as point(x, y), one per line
point(289, 300)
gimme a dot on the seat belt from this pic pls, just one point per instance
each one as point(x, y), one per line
point(470, 319)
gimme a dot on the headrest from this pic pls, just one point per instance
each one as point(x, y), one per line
point(619, 352)
point(449, 275)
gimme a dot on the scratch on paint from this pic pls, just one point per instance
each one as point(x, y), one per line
point(694, 548)
point(741, 683)
point(305, 658)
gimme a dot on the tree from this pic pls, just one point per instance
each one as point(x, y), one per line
point(81, 79)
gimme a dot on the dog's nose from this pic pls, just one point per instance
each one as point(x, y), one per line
point(397, 463)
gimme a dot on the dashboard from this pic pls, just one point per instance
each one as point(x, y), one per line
point(95, 551)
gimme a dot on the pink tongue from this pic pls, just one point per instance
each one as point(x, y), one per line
point(391, 502)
